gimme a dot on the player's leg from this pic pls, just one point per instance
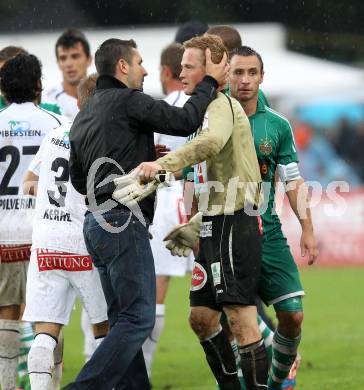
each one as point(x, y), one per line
point(205, 322)
point(286, 339)
point(41, 355)
point(280, 273)
point(9, 345)
point(12, 295)
point(50, 301)
point(150, 344)
point(26, 339)
point(253, 358)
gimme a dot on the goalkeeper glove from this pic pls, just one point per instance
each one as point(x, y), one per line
point(181, 239)
point(130, 188)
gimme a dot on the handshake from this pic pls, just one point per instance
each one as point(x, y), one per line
point(131, 188)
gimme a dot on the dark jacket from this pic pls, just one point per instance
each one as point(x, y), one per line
point(118, 123)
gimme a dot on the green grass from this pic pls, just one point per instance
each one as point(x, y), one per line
point(332, 346)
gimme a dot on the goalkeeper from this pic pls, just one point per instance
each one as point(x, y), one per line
point(228, 174)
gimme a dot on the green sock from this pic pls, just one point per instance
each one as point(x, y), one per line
point(284, 355)
point(26, 339)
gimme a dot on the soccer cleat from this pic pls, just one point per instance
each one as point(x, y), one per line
point(290, 381)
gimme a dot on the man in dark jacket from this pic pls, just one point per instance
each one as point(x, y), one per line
point(113, 134)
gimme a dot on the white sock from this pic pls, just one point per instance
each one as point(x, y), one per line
point(150, 343)
point(89, 345)
point(41, 362)
point(58, 364)
point(9, 352)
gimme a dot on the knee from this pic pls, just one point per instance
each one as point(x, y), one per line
point(200, 325)
point(289, 323)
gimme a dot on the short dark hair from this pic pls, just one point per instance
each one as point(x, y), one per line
point(229, 35)
point(70, 38)
point(188, 30)
point(86, 89)
point(246, 51)
point(110, 52)
point(20, 79)
point(10, 52)
point(172, 56)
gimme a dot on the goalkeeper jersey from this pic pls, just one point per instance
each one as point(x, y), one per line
point(226, 166)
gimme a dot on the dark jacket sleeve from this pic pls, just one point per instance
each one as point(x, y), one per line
point(77, 176)
point(158, 115)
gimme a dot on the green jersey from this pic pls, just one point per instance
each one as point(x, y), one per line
point(274, 144)
point(46, 106)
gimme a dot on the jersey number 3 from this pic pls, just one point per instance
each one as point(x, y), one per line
point(58, 199)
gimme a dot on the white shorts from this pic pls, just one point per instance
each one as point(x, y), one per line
point(54, 281)
point(169, 213)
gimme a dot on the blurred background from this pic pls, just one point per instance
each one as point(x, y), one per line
point(313, 53)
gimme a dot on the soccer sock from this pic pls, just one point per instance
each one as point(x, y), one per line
point(89, 345)
point(41, 361)
point(58, 363)
point(221, 359)
point(284, 355)
point(150, 344)
point(267, 335)
point(26, 339)
point(254, 365)
point(9, 352)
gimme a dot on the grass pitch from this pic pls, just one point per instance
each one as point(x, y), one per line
point(332, 346)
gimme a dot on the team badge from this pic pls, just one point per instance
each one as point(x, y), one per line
point(199, 277)
point(265, 147)
point(66, 137)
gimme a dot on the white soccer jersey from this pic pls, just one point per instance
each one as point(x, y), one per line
point(178, 99)
point(22, 129)
point(67, 103)
point(60, 209)
point(170, 208)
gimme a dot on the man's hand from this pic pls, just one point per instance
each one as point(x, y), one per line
point(181, 240)
point(309, 245)
point(220, 72)
point(161, 150)
point(147, 170)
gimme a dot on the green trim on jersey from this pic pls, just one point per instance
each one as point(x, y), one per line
point(274, 144)
point(46, 106)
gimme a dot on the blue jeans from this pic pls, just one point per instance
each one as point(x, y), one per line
point(126, 267)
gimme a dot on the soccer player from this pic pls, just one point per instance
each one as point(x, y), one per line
point(279, 284)
point(229, 261)
point(9, 52)
point(170, 208)
point(22, 127)
point(73, 59)
point(60, 267)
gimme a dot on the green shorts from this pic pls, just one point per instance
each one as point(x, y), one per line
point(279, 278)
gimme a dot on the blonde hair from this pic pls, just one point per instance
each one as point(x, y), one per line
point(212, 42)
point(86, 89)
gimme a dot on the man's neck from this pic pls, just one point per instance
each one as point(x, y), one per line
point(70, 89)
point(171, 86)
point(250, 106)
